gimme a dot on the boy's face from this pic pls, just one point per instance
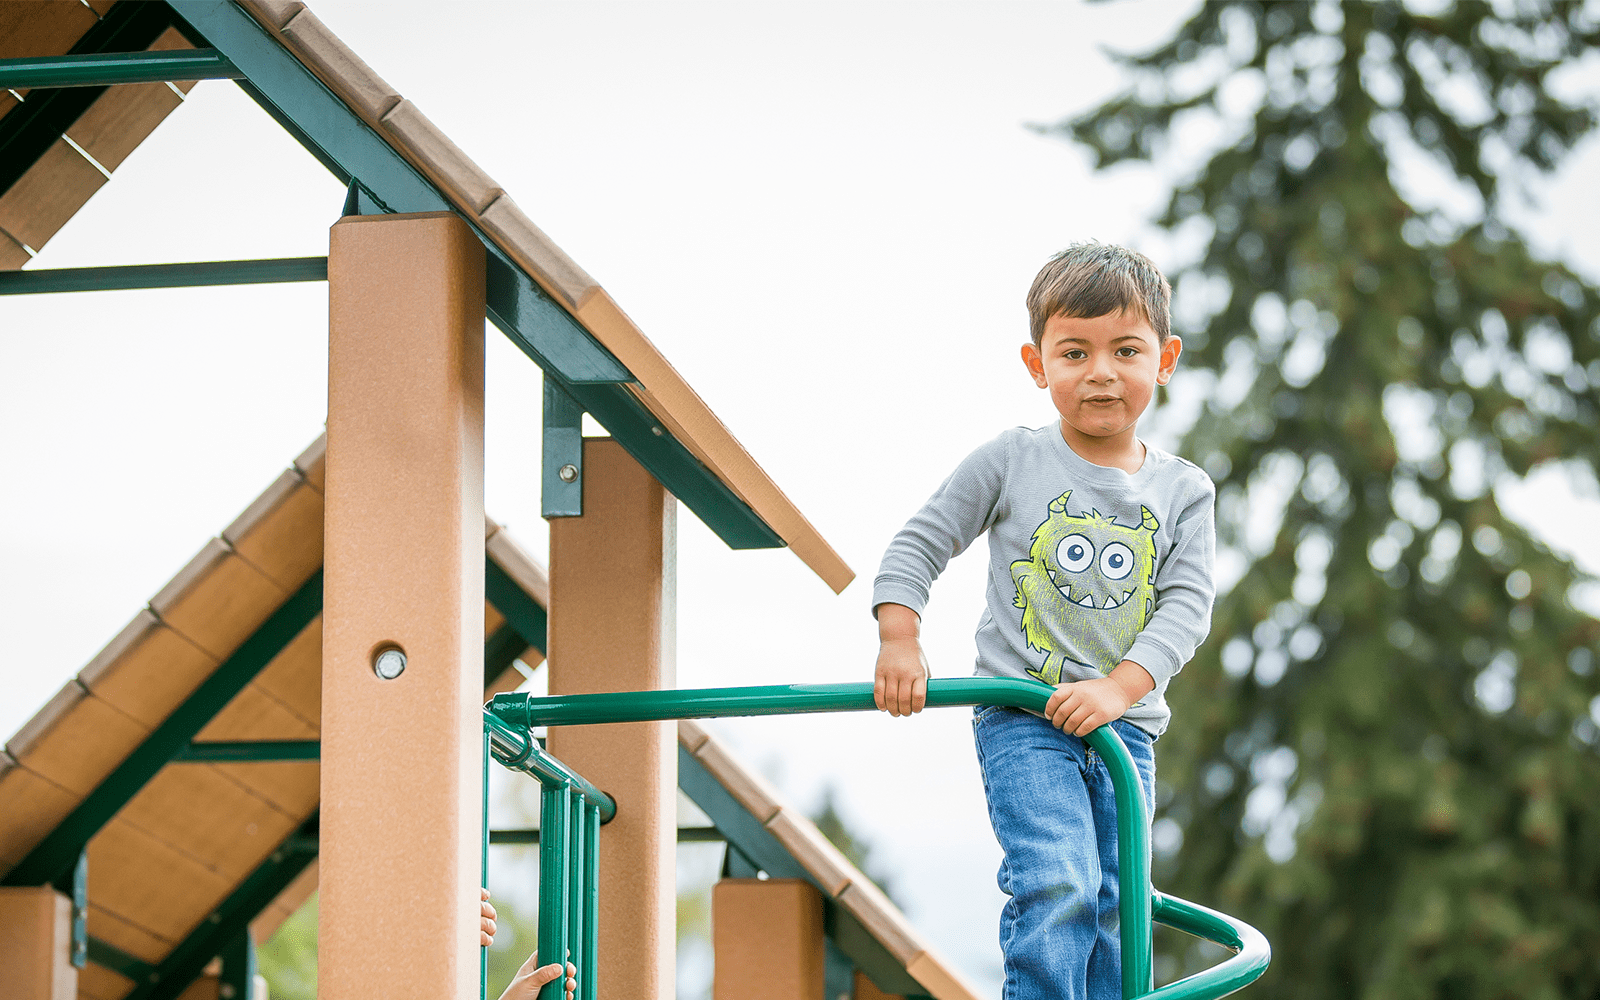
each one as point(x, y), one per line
point(1102, 371)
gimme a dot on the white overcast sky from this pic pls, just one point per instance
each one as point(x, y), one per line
point(825, 215)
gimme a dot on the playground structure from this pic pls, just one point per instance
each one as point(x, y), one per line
point(300, 708)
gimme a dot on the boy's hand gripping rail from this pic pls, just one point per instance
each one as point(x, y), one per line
point(1139, 903)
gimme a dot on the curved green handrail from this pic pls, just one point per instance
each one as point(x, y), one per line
point(1139, 904)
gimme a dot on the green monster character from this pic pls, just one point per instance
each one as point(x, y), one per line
point(1086, 588)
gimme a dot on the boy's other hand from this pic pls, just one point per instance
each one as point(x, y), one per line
point(900, 682)
point(525, 985)
point(1081, 707)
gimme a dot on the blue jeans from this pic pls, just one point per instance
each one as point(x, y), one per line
point(1054, 813)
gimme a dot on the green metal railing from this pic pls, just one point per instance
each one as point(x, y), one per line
point(511, 717)
point(570, 813)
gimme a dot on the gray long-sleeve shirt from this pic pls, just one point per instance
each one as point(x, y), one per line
point(1088, 565)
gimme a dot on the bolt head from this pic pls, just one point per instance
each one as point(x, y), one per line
point(568, 473)
point(389, 664)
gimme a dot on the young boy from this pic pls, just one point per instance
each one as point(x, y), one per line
point(1100, 563)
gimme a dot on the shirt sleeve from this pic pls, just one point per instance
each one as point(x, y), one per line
point(1185, 588)
point(962, 508)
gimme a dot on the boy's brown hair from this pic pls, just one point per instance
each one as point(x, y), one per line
point(1095, 279)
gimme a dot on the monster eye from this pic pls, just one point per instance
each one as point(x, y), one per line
point(1116, 561)
point(1075, 554)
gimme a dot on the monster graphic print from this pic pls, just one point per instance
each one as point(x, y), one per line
point(1086, 589)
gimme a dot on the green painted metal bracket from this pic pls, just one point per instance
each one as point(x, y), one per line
point(516, 750)
point(231, 918)
point(538, 325)
point(138, 276)
point(521, 611)
point(28, 130)
point(52, 859)
point(561, 493)
point(248, 751)
point(109, 956)
point(108, 69)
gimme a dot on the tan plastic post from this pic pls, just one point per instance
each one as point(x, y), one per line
point(612, 614)
point(36, 945)
point(766, 939)
point(401, 758)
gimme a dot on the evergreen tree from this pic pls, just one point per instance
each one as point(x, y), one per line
point(1386, 755)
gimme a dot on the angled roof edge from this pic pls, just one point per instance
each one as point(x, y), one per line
point(826, 866)
point(659, 388)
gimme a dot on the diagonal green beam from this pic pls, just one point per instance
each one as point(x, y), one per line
point(248, 751)
point(51, 861)
point(539, 326)
point(107, 69)
point(190, 275)
point(231, 918)
point(521, 611)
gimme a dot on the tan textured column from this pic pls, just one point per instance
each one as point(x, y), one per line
point(36, 945)
point(401, 758)
point(766, 939)
point(612, 613)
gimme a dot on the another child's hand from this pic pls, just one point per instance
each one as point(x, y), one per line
point(486, 926)
point(525, 985)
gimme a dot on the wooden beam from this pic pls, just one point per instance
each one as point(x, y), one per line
point(401, 757)
point(612, 613)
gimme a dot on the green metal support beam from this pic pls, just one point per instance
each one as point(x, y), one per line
point(249, 752)
point(200, 273)
point(500, 650)
point(231, 918)
point(686, 835)
point(52, 859)
point(28, 130)
point(521, 611)
point(109, 956)
point(539, 326)
point(107, 69)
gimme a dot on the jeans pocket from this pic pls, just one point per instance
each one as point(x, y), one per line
point(984, 713)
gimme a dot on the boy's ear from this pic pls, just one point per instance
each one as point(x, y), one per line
point(1169, 359)
point(1035, 363)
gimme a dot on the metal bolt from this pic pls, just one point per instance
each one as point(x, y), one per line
point(390, 663)
point(568, 473)
point(658, 432)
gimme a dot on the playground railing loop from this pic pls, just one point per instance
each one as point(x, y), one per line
point(510, 719)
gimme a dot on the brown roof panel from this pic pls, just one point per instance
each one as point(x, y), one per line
point(477, 196)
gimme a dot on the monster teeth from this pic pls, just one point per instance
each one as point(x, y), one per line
point(1112, 602)
point(1086, 601)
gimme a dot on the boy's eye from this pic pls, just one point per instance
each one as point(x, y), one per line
point(1075, 355)
point(1127, 352)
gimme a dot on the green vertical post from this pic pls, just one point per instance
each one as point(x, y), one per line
point(576, 870)
point(238, 968)
point(483, 866)
point(554, 827)
point(589, 968)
